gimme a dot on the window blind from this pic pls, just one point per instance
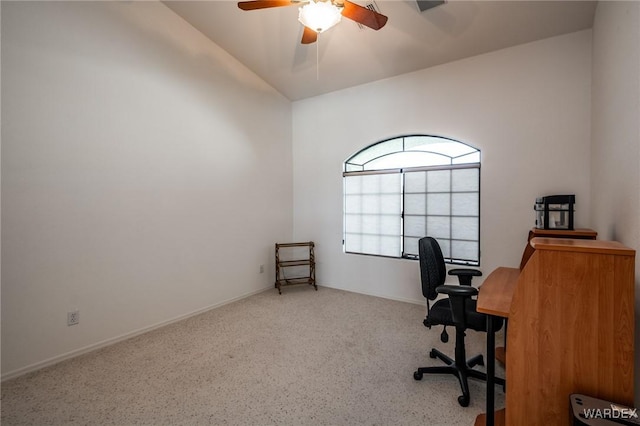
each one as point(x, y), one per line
point(372, 205)
point(445, 205)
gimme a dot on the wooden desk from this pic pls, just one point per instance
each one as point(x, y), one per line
point(571, 328)
point(494, 299)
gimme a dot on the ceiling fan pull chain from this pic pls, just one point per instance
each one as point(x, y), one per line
point(318, 58)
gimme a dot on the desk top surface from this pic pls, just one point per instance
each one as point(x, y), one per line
point(564, 233)
point(585, 246)
point(494, 297)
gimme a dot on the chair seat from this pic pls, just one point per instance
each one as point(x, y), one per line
point(440, 314)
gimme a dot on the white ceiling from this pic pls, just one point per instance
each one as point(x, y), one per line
point(268, 41)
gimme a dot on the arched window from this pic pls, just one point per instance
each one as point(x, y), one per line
point(399, 190)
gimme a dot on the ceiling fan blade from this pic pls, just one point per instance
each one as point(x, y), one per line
point(362, 15)
point(309, 36)
point(264, 4)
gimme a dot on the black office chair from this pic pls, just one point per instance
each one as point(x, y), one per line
point(458, 310)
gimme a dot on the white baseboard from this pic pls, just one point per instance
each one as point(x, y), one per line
point(383, 296)
point(99, 345)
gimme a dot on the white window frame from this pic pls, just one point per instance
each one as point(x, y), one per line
point(378, 200)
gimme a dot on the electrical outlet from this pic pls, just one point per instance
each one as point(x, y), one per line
point(73, 318)
point(261, 269)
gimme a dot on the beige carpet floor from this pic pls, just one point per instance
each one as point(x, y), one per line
point(301, 358)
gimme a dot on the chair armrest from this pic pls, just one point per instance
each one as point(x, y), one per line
point(457, 290)
point(471, 272)
point(458, 296)
point(465, 275)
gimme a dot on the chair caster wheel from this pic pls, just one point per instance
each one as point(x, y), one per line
point(432, 354)
point(463, 400)
point(417, 375)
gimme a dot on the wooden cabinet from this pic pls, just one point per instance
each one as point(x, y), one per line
point(295, 264)
point(571, 329)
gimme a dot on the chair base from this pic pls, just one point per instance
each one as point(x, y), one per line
point(462, 372)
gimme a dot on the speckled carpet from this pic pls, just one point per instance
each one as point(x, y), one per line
point(303, 358)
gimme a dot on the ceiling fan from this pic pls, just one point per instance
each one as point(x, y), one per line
point(320, 15)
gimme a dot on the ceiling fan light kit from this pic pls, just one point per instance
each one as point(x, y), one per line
point(319, 16)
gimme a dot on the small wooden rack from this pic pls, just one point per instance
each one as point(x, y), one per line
point(299, 255)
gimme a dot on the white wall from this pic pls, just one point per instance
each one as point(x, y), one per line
point(615, 151)
point(527, 108)
point(145, 175)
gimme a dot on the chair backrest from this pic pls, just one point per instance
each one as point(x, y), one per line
point(433, 271)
